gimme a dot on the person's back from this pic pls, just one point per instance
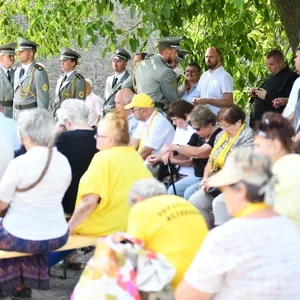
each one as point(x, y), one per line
point(288, 186)
point(250, 259)
point(115, 171)
point(154, 78)
point(79, 147)
point(37, 213)
point(171, 226)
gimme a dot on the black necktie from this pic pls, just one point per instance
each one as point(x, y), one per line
point(8, 76)
point(63, 80)
point(114, 81)
point(22, 71)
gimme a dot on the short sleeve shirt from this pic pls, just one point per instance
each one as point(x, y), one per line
point(155, 132)
point(249, 259)
point(214, 85)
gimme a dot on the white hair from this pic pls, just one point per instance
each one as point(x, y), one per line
point(89, 81)
point(74, 110)
point(39, 125)
point(146, 188)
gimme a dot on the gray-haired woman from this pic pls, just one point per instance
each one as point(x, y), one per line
point(253, 256)
point(77, 144)
point(31, 192)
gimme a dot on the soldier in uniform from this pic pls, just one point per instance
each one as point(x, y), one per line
point(31, 82)
point(71, 84)
point(7, 59)
point(115, 80)
point(154, 76)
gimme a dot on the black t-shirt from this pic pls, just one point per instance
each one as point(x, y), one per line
point(79, 147)
point(197, 141)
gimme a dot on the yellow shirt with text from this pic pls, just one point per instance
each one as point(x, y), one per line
point(169, 225)
point(111, 175)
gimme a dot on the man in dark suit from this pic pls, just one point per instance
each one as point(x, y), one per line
point(7, 59)
point(115, 80)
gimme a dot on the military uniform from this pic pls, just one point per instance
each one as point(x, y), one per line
point(31, 83)
point(155, 78)
point(112, 87)
point(70, 85)
point(7, 81)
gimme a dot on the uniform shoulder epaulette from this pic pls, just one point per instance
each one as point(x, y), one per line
point(79, 76)
point(38, 67)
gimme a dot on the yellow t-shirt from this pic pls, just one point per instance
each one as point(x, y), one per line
point(111, 175)
point(287, 189)
point(171, 226)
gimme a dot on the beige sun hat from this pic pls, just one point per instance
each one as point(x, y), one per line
point(243, 164)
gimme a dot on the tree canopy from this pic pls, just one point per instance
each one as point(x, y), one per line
point(244, 30)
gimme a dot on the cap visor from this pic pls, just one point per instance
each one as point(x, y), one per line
point(129, 106)
point(222, 178)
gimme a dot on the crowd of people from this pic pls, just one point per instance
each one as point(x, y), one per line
point(182, 168)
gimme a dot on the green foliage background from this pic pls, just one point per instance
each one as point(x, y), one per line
point(244, 30)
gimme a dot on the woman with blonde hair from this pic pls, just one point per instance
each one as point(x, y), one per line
point(101, 205)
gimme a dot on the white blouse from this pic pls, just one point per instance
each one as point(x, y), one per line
point(38, 213)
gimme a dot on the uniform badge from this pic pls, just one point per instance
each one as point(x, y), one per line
point(81, 94)
point(45, 87)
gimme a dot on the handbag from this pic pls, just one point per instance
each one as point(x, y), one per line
point(213, 191)
point(121, 269)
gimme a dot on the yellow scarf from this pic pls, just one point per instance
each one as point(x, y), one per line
point(144, 136)
point(251, 208)
point(218, 163)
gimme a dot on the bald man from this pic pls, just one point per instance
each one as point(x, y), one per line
point(215, 85)
point(124, 97)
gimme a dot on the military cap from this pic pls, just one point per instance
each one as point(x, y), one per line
point(181, 53)
point(141, 53)
point(121, 54)
point(67, 53)
point(8, 49)
point(26, 44)
point(170, 42)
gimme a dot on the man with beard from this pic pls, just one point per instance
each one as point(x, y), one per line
point(215, 85)
point(277, 86)
point(154, 76)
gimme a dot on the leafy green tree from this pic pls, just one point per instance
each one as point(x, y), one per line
point(244, 30)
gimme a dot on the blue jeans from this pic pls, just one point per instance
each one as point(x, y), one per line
point(186, 186)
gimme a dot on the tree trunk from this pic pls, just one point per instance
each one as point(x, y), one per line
point(289, 12)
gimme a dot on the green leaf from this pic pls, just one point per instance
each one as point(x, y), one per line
point(239, 3)
point(239, 27)
point(133, 44)
point(132, 11)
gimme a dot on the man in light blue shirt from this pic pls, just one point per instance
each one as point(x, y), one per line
point(10, 128)
point(188, 90)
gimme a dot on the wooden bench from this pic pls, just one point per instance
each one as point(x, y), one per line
point(74, 242)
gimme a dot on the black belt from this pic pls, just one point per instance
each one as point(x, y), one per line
point(6, 103)
point(26, 106)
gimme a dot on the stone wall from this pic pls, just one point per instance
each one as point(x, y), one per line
point(92, 65)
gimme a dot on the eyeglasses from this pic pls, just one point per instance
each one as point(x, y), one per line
point(196, 128)
point(264, 135)
point(133, 110)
